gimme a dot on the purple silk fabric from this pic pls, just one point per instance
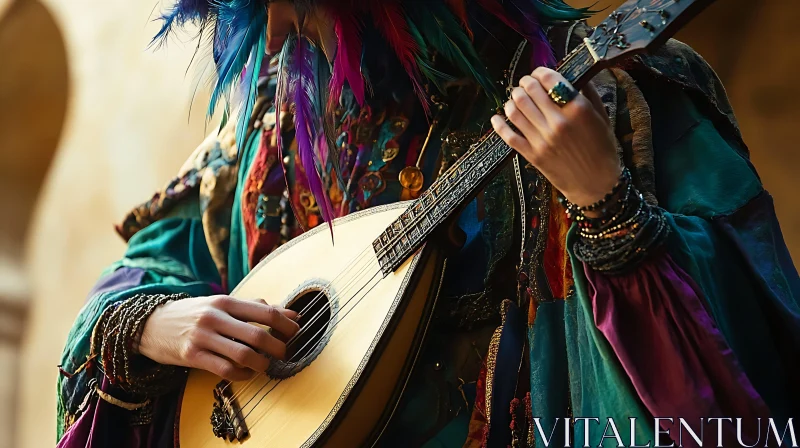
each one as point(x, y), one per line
point(122, 278)
point(104, 425)
point(656, 321)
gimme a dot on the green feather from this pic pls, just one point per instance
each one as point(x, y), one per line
point(444, 34)
point(554, 11)
point(437, 77)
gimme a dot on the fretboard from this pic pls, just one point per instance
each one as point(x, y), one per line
point(454, 188)
point(638, 25)
point(459, 184)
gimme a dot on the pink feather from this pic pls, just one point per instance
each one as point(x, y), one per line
point(496, 9)
point(347, 64)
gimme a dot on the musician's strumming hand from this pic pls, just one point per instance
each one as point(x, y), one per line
point(213, 334)
point(572, 145)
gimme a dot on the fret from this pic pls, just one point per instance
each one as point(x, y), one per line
point(425, 223)
point(431, 209)
point(577, 64)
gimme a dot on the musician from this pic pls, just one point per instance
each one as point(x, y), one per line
point(630, 246)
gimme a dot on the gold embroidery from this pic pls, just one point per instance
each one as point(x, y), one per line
point(491, 359)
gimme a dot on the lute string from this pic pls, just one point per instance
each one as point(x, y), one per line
point(398, 236)
point(354, 262)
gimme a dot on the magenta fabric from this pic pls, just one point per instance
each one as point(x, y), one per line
point(680, 365)
point(104, 425)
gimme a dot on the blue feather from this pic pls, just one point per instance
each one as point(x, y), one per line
point(244, 23)
point(183, 12)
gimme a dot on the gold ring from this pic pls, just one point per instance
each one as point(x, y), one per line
point(562, 94)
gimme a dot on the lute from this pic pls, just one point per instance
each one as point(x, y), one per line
point(366, 302)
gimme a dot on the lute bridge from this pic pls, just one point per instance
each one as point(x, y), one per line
point(227, 420)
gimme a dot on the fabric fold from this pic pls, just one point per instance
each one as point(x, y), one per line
point(678, 361)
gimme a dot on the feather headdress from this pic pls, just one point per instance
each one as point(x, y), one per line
point(412, 29)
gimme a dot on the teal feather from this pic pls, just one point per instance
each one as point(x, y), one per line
point(446, 35)
point(437, 77)
point(249, 85)
point(553, 11)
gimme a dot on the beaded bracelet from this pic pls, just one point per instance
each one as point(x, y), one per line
point(605, 205)
point(116, 336)
point(625, 232)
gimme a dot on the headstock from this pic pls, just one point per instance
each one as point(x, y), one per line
point(638, 26)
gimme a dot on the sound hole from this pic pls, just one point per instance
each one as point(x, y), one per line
point(315, 316)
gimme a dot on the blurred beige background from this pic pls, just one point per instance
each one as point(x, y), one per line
point(93, 123)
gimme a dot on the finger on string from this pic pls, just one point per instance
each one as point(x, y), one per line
point(590, 92)
point(258, 312)
point(359, 275)
point(282, 337)
point(336, 322)
point(291, 314)
point(241, 354)
point(520, 121)
point(336, 319)
point(253, 336)
point(221, 367)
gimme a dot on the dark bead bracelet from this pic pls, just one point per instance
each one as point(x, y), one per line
point(625, 232)
point(607, 206)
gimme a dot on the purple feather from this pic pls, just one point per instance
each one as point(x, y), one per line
point(531, 28)
point(297, 84)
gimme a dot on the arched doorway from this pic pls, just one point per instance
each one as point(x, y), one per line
point(33, 104)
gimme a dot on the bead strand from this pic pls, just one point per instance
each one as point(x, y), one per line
point(626, 230)
point(115, 338)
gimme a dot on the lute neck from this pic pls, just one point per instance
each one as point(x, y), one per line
point(460, 183)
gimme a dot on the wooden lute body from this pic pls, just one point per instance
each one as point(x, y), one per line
point(367, 300)
point(363, 364)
